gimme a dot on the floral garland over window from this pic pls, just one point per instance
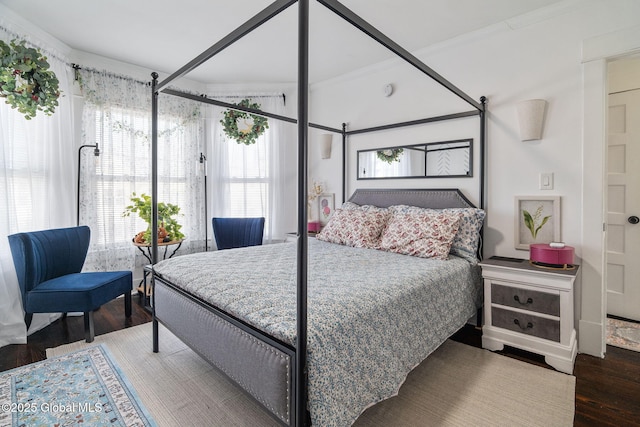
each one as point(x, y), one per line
point(26, 81)
point(245, 128)
point(390, 155)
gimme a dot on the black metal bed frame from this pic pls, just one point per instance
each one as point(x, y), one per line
point(303, 125)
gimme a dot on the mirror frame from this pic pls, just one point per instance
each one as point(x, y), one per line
point(469, 173)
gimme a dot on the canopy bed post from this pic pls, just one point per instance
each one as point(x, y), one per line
point(303, 118)
point(344, 161)
point(154, 190)
point(154, 168)
point(483, 203)
point(483, 129)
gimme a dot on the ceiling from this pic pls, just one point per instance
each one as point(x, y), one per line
point(164, 35)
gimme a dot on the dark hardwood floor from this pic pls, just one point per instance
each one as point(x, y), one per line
point(110, 317)
point(607, 390)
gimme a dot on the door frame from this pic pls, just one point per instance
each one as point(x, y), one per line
point(596, 53)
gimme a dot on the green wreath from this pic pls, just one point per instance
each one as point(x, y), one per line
point(26, 81)
point(390, 155)
point(251, 132)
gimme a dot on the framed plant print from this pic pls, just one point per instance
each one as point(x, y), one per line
point(537, 220)
point(326, 206)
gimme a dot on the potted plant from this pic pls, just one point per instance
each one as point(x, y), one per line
point(26, 81)
point(168, 228)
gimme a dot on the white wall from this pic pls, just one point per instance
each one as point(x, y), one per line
point(535, 56)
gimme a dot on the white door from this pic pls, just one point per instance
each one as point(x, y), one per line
point(623, 205)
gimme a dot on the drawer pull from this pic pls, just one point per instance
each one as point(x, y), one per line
point(524, 328)
point(529, 300)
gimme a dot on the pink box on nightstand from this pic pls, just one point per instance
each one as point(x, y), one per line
point(547, 254)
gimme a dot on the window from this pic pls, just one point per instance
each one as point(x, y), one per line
point(116, 115)
point(24, 178)
point(248, 178)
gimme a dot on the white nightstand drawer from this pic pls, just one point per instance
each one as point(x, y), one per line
point(526, 299)
point(524, 323)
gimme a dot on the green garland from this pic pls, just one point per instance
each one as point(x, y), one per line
point(247, 137)
point(390, 155)
point(26, 81)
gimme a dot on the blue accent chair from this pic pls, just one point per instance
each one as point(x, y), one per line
point(237, 232)
point(48, 264)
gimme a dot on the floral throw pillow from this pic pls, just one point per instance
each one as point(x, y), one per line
point(355, 227)
point(422, 234)
point(466, 242)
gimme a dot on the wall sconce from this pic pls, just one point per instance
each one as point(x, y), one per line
point(531, 118)
point(325, 145)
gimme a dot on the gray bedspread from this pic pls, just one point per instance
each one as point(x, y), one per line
point(372, 315)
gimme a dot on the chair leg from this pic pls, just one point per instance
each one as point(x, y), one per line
point(28, 317)
point(88, 326)
point(127, 304)
point(156, 346)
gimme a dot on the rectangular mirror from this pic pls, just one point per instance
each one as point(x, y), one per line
point(450, 159)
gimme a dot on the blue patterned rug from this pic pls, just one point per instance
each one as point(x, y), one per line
point(83, 387)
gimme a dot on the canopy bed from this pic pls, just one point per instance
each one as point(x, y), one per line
point(321, 354)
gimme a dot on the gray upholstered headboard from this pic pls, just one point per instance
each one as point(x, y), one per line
point(424, 198)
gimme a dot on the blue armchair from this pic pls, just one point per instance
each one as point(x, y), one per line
point(237, 232)
point(48, 264)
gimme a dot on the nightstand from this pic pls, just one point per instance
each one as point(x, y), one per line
point(531, 308)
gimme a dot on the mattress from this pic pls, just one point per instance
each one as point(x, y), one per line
point(372, 315)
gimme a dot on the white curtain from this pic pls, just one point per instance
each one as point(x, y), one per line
point(37, 179)
point(117, 116)
point(248, 180)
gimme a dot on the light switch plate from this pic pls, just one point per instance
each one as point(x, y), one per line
point(546, 180)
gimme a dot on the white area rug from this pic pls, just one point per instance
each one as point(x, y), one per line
point(458, 385)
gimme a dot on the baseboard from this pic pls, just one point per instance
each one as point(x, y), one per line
point(591, 339)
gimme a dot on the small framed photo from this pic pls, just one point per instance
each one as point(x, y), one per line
point(537, 220)
point(326, 206)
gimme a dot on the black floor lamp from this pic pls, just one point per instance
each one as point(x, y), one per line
point(96, 152)
point(203, 162)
